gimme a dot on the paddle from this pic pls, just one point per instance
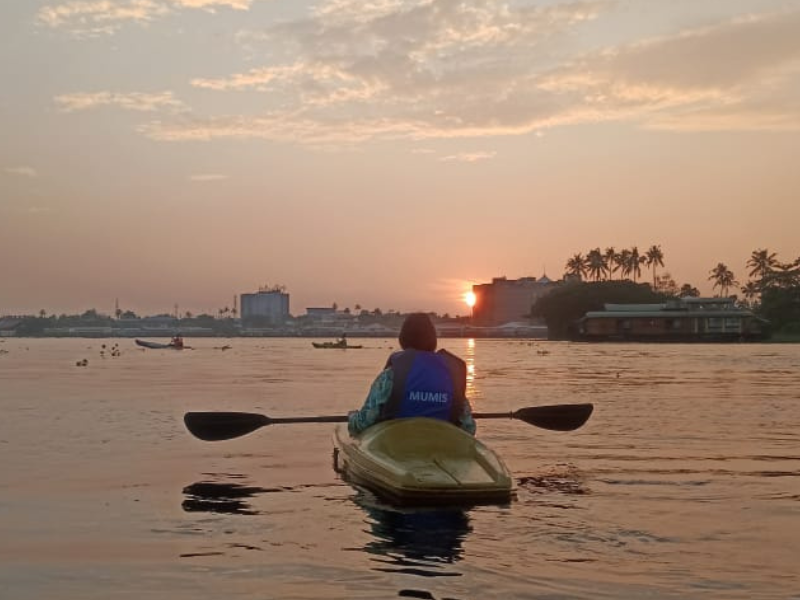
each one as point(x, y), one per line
point(215, 426)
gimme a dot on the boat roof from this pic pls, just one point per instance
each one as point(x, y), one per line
point(669, 314)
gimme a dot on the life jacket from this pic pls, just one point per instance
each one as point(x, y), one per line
point(426, 384)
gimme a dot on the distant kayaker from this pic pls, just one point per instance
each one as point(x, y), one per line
point(417, 381)
point(342, 341)
point(177, 342)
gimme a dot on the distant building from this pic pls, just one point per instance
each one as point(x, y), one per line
point(270, 305)
point(507, 300)
point(8, 326)
point(324, 313)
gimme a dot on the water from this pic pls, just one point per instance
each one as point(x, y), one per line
point(685, 483)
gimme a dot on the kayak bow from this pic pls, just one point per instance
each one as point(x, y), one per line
point(423, 462)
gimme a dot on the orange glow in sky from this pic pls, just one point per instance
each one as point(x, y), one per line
point(298, 152)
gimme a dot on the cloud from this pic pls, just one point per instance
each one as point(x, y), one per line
point(207, 177)
point(469, 156)
point(353, 71)
point(740, 75)
point(136, 101)
point(89, 18)
point(22, 171)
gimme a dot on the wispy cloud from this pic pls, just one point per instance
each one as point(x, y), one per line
point(87, 18)
point(469, 156)
point(22, 171)
point(355, 71)
point(136, 101)
point(740, 75)
point(208, 177)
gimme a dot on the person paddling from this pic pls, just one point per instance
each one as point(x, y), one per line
point(417, 381)
point(177, 342)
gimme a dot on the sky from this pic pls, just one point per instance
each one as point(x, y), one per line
point(385, 153)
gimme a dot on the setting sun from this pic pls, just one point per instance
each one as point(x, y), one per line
point(469, 298)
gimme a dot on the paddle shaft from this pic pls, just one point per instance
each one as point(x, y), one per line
point(343, 418)
point(321, 419)
point(493, 415)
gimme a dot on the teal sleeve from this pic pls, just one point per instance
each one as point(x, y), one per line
point(466, 421)
point(378, 395)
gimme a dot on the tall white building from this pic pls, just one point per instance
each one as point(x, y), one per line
point(272, 305)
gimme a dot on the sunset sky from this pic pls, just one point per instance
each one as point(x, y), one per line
point(388, 153)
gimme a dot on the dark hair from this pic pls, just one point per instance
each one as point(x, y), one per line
point(418, 333)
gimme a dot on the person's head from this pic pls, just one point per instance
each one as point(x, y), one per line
point(418, 333)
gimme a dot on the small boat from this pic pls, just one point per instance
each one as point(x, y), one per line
point(146, 344)
point(421, 461)
point(335, 345)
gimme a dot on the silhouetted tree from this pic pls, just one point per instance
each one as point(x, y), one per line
point(595, 265)
point(654, 258)
point(723, 278)
point(576, 266)
point(689, 291)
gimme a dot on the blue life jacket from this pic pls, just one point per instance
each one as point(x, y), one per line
point(426, 384)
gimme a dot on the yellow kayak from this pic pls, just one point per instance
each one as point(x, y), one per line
point(423, 461)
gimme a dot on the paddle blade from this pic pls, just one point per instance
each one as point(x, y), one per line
point(558, 417)
point(216, 426)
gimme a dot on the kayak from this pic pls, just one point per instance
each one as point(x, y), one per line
point(422, 461)
point(334, 345)
point(146, 344)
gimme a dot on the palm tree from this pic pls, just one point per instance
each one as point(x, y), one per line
point(655, 258)
point(636, 261)
point(42, 313)
point(750, 290)
point(723, 278)
point(623, 260)
point(577, 266)
point(610, 258)
point(762, 262)
point(595, 264)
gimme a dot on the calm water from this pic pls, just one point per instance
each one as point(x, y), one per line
point(685, 483)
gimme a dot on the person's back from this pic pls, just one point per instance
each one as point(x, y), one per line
point(418, 381)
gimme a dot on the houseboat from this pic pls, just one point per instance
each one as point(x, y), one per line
point(679, 320)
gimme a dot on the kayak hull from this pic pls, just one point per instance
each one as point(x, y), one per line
point(333, 345)
point(422, 461)
point(156, 345)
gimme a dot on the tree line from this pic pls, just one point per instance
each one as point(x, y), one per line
point(772, 291)
point(601, 265)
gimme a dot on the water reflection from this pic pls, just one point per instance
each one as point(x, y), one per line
point(469, 358)
point(221, 497)
point(420, 542)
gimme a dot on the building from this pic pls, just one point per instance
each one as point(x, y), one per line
point(507, 300)
point(680, 320)
point(8, 326)
point(323, 313)
point(269, 305)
